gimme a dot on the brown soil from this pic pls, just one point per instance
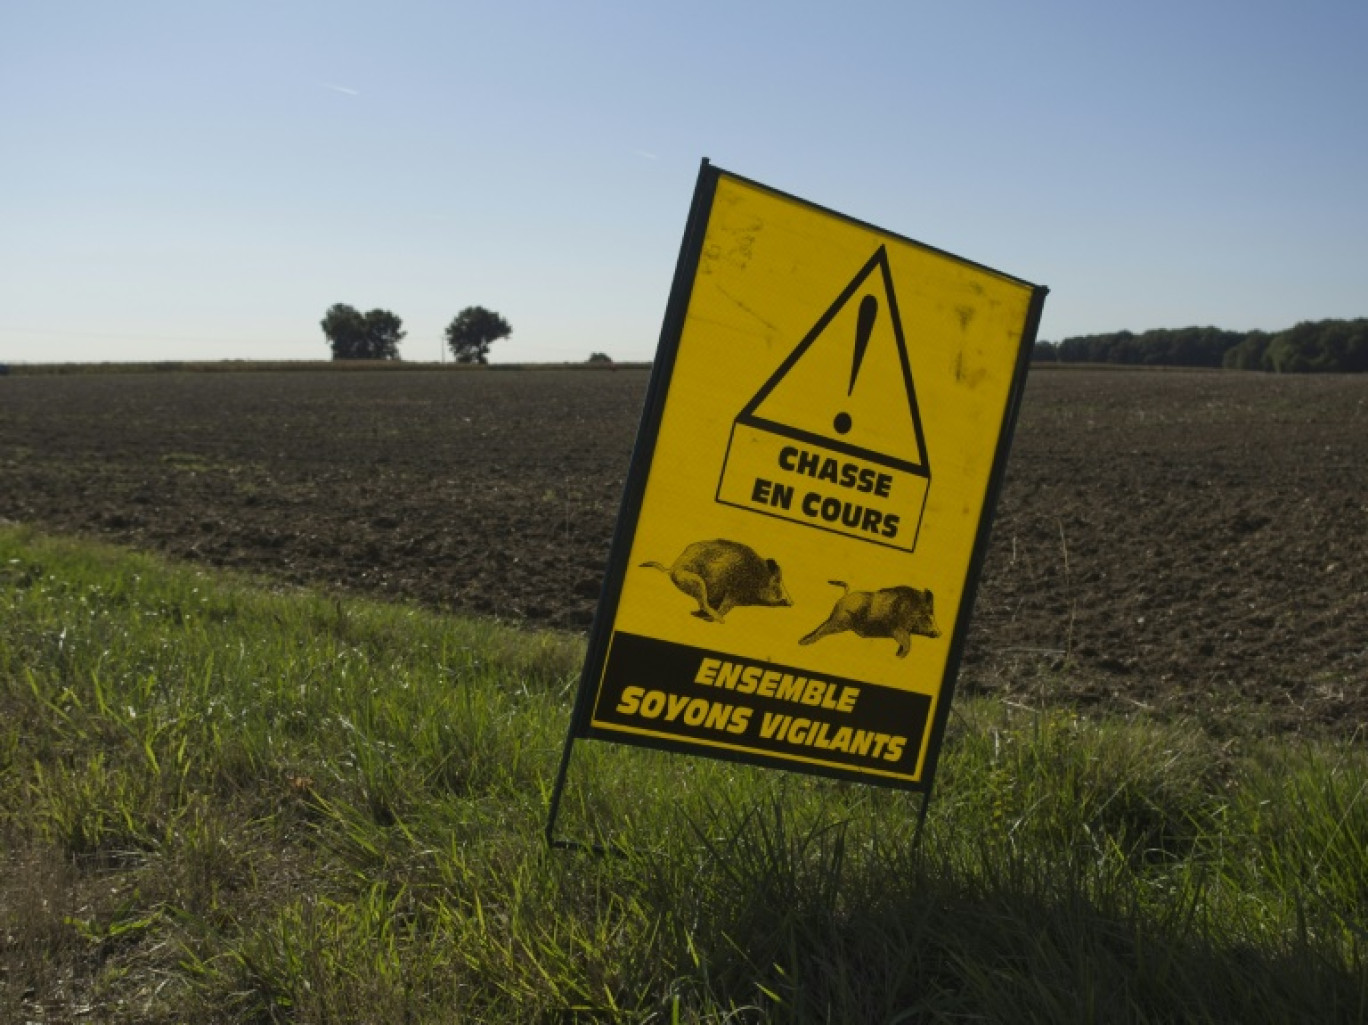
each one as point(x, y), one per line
point(1184, 542)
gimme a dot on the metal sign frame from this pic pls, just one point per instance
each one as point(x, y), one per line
point(672, 330)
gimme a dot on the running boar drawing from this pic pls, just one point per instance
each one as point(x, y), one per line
point(721, 575)
point(896, 612)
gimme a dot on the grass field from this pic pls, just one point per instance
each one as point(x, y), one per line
point(224, 800)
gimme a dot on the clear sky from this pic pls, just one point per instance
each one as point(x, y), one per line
point(197, 180)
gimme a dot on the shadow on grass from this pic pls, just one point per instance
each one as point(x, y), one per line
point(809, 925)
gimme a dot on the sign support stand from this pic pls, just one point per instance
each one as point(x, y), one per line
point(686, 267)
point(557, 789)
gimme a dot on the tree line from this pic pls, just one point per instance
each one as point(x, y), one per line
point(377, 334)
point(1321, 346)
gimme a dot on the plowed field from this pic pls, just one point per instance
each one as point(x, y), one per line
point(1180, 542)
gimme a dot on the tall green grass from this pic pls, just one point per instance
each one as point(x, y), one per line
point(230, 803)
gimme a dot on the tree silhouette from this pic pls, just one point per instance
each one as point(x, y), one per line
point(472, 331)
point(1313, 346)
point(356, 335)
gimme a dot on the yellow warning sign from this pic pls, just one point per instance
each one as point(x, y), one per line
point(827, 425)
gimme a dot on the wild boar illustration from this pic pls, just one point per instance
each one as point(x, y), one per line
point(896, 612)
point(721, 575)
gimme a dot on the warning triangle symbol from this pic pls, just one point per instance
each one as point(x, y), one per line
point(847, 386)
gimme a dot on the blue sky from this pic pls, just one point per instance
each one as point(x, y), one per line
point(202, 180)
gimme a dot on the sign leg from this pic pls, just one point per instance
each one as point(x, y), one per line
point(557, 789)
point(921, 818)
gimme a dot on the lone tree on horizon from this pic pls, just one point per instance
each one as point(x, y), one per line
point(356, 335)
point(472, 331)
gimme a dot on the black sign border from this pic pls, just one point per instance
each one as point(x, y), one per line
point(634, 489)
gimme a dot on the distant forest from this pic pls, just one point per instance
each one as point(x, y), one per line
point(1321, 346)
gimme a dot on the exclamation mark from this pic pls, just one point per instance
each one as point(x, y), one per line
point(864, 327)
